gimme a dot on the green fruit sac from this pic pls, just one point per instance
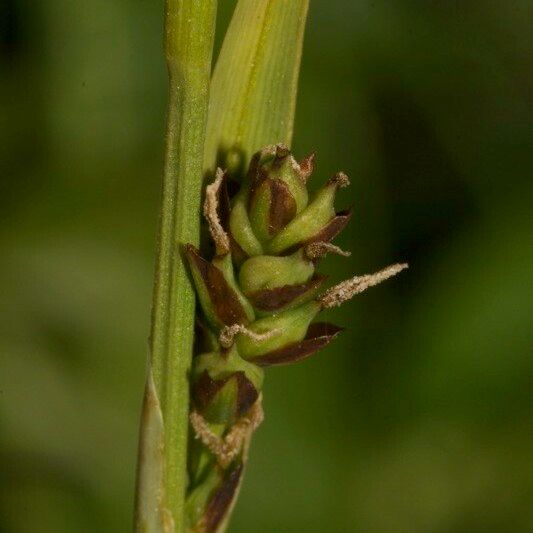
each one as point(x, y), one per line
point(241, 228)
point(289, 172)
point(225, 386)
point(308, 223)
point(285, 328)
point(259, 211)
point(281, 166)
point(275, 192)
point(271, 208)
point(220, 366)
point(271, 272)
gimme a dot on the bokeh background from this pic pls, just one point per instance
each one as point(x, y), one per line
point(418, 419)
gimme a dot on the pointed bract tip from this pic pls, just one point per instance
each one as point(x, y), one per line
point(307, 166)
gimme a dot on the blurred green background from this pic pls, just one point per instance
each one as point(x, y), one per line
point(418, 419)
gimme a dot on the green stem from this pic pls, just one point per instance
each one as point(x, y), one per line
point(189, 32)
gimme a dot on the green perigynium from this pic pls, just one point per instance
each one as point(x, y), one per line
point(259, 296)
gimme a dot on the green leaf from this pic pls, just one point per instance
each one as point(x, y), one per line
point(254, 85)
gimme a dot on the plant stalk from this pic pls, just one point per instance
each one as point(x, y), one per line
point(161, 478)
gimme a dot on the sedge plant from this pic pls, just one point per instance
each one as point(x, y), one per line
point(255, 277)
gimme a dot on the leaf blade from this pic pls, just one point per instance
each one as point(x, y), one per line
point(254, 84)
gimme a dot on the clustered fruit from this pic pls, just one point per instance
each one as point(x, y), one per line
point(259, 296)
